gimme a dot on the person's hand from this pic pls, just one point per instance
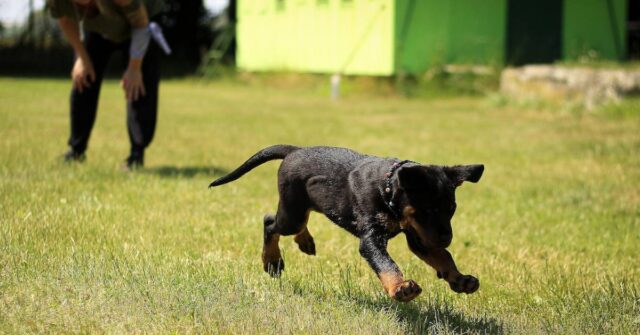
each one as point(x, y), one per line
point(132, 84)
point(82, 74)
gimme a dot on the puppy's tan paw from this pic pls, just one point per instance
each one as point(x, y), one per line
point(272, 261)
point(308, 247)
point(305, 242)
point(465, 284)
point(406, 291)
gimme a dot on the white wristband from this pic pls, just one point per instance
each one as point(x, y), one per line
point(139, 42)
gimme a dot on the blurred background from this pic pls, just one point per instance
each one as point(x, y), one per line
point(387, 38)
point(31, 43)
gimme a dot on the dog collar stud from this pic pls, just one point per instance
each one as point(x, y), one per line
point(388, 196)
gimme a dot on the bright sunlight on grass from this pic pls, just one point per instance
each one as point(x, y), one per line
point(552, 230)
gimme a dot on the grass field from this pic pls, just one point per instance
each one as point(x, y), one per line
point(552, 230)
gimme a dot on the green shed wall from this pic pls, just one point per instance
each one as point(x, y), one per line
point(324, 36)
point(590, 25)
point(383, 37)
point(436, 32)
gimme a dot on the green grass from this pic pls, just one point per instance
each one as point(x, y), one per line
point(552, 230)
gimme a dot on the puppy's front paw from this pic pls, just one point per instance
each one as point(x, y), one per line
point(406, 291)
point(465, 284)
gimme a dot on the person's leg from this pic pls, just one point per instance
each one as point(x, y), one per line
point(84, 104)
point(141, 114)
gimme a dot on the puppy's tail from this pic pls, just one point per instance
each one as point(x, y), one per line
point(279, 151)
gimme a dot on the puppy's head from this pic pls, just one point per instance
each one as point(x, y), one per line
point(430, 192)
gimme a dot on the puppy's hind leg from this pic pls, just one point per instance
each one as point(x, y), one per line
point(305, 241)
point(317, 193)
point(272, 261)
point(291, 219)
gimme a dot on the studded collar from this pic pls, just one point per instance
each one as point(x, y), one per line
point(388, 194)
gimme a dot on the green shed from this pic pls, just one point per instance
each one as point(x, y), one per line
point(385, 37)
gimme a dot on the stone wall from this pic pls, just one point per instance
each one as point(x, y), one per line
point(588, 86)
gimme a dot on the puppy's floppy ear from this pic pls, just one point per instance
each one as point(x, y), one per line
point(460, 173)
point(414, 177)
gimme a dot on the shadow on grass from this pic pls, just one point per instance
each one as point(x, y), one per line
point(433, 314)
point(186, 171)
point(434, 317)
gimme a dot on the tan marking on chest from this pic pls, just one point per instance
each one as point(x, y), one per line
point(407, 219)
point(394, 225)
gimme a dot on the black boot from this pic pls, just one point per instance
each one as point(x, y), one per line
point(134, 161)
point(72, 156)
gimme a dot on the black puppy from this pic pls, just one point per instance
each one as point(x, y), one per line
point(374, 199)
